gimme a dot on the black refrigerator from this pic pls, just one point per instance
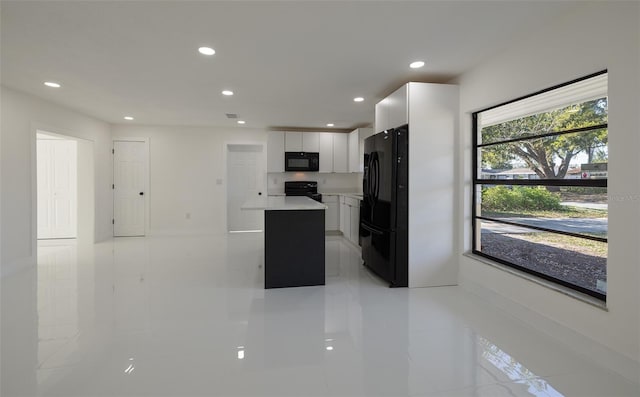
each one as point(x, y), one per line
point(384, 212)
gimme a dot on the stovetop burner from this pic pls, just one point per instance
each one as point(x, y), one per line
point(302, 188)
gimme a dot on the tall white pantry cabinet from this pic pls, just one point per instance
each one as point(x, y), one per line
point(431, 111)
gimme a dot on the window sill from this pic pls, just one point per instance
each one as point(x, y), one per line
point(540, 281)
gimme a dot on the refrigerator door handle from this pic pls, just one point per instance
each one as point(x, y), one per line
point(377, 193)
point(370, 229)
point(372, 179)
point(375, 177)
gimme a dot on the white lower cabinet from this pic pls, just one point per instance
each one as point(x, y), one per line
point(344, 215)
point(350, 219)
point(332, 213)
point(355, 224)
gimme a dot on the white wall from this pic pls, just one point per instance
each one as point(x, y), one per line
point(328, 183)
point(22, 115)
point(599, 36)
point(185, 166)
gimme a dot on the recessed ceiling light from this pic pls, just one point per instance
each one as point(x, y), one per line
point(227, 92)
point(358, 99)
point(416, 64)
point(128, 118)
point(330, 125)
point(240, 121)
point(206, 50)
point(52, 84)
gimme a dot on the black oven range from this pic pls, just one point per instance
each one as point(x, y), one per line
point(302, 188)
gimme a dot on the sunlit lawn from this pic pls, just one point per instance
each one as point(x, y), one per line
point(566, 212)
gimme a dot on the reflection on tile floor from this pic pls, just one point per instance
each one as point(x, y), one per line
point(187, 316)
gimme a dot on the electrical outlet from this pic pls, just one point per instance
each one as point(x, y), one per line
point(187, 215)
point(219, 181)
point(275, 181)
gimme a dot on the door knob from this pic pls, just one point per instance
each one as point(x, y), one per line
point(142, 193)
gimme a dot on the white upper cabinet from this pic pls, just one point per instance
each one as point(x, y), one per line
point(353, 151)
point(363, 133)
point(356, 148)
point(326, 152)
point(275, 151)
point(382, 116)
point(398, 107)
point(393, 111)
point(302, 142)
point(292, 142)
point(340, 152)
point(334, 149)
point(311, 142)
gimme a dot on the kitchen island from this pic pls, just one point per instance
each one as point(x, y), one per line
point(293, 240)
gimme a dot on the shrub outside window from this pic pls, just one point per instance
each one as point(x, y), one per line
point(540, 184)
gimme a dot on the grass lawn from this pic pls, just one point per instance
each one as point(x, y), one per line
point(566, 212)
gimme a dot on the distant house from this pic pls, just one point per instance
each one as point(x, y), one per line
point(514, 173)
point(585, 171)
point(574, 173)
point(594, 171)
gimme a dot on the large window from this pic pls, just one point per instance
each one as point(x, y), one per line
point(540, 184)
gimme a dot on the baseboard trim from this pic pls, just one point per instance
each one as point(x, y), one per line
point(177, 232)
point(579, 343)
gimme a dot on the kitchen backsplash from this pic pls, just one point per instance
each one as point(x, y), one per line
point(330, 182)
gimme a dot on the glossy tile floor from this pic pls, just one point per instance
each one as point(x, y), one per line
point(187, 316)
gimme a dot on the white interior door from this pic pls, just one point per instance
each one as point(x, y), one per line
point(246, 179)
point(129, 188)
point(57, 187)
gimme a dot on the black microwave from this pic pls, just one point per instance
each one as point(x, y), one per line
point(301, 161)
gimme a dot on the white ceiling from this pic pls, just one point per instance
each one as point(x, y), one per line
point(291, 64)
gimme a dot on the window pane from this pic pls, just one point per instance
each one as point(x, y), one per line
point(581, 210)
point(573, 260)
point(586, 114)
point(581, 155)
point(525, 152)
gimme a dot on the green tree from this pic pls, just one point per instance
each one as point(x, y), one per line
point(548, 157)
point(601, 155)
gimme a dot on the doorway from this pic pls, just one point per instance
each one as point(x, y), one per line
point(130, 165)
point(64, 186)
point(246, 179)
point(57, 187)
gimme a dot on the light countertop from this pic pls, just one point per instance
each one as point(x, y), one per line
point(280, 203)
point(357, 196)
